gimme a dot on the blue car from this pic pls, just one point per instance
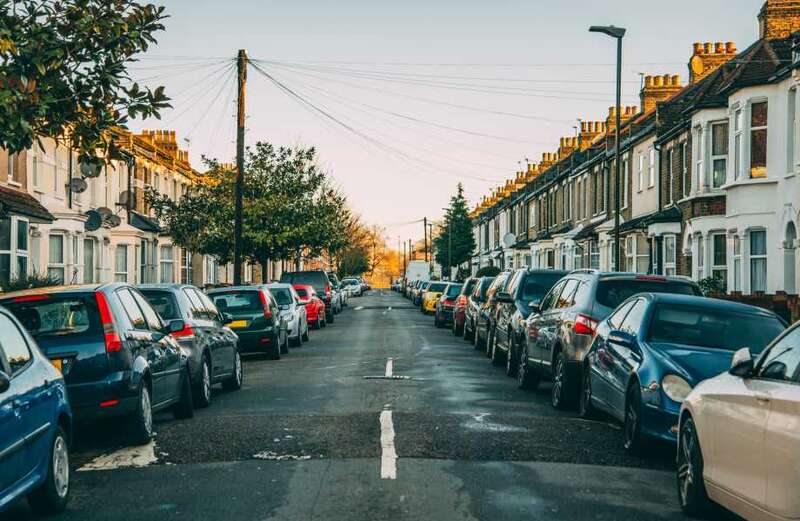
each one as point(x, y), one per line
point(35, 423)
point(654, 348)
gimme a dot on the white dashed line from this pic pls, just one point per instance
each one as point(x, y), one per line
point(388, 454)
point(359, 308)
point(139, 456)
point(389, 367)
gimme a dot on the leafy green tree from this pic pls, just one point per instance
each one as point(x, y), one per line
point(455, 243)
point(63, 69)
point(353, 261)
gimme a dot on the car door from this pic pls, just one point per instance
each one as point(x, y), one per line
point(601, 358)
point(166, 344)
point(623, 359)
point(542, 328)
point(206, 336)
point(224, 345)
point(506, 309)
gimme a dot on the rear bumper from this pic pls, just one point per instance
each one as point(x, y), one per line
point(117, 391)
point(447, 316)
point(258, 341)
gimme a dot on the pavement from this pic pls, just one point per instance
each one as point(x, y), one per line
point(379, 416)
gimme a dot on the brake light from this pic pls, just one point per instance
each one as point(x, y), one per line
point(449, 301)
point(109, 403)
point(265, 304)
point(30, 298)
point(585, 325)
point(113, 342)
point(651, 278)
point(186, 332)
point(462, 300)
point(328, 290)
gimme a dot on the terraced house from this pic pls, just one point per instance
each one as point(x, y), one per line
point(708, 185)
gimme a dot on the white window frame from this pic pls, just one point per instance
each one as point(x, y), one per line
point(719, 157)
point(670, 266)
point(61, 265)
point(686, 188)
point(791, 131)
point(722, 269)
point(121, 275)
point(14, 252)
point(166, 265)
point(624, 183)
point(90, 270)
point(751, 130)
point(737, 263)
point(699, 165)
point(651, 168)
point(670, 174)
point(754, 257)
point(700, 263)
point(738, 142)
point(640, 174)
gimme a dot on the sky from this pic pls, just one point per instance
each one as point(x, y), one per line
point(404, 100)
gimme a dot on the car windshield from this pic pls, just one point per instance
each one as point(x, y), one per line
point(485, 285)
point(719, 329)
point(611, 293)
point(163, 302)
point(437, 287)
point(301, 292)
point(57, 316)
point(537, 285)
point(282, 295)
point(235, 302)
point(453, 290)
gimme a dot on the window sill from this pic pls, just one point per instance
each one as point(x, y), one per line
point(745, 182)
point(15, 184)
point(717, 192)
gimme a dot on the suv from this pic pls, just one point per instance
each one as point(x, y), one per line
point(117, 356)
point(560, 330)
point(486, 316)
point(317, 279)
point(527, 287)
point(474, 302)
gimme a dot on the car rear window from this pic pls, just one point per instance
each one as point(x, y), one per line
point(719, 329)
point(164, 303)
point(57, 316)
point(282, 295)
point(301, 292)
point(453, 290)
point(468, 287)
point(437, 287)
point(537, 285)
point(237, 302)
point(485, 285)
point(317, 279)
point(612, 293)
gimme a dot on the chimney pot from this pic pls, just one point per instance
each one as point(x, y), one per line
point(730, 47)
point(708, 47)
point(698, 48)
point(676, 80)
point(719, 47)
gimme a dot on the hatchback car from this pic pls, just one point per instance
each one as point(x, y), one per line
point(475, 301)
point(255, 317)
point(739, 437)
point(460, 309)
point(294, 310)
point(317, 279)
point(654, 348)
point(353, 286)
point(445, 305)
point(560, 330)
point(117, 356)
point(429, 297)
point(210, 346)
point(483, 322)
point(35, 423)
point(315, 308)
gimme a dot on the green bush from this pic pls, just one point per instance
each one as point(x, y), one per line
point(36, 280)
point(713, 286)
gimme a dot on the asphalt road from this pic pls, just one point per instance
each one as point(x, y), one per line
point(303, 440)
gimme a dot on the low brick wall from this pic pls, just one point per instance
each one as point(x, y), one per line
point(782, 304)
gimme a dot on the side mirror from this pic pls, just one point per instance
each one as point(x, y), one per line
point(621, 338)
point(176, 325)
point(742, 364)
point(5, 382)
point(227, 318)
point(504, 297)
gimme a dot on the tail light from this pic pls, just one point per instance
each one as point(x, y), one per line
point(328, 290)
point(187, 332)
point(461, 301)
point(585, 325)
point(30, 298)
point(265, 304)
point(449, 302)
point(113, 342)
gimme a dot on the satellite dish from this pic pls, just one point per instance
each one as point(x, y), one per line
point(91, 168)
point(78, 185)
point(127, 198)
point(113, 221)
point(509, 240)
point(105, 213)
point(93, 221)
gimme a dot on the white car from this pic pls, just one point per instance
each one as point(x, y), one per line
point(296, 317)
point(739, 437)
point(353, 286)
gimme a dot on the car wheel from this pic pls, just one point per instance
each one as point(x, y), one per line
point(185, 407)
point(490, 339)
point(305, 334)
point(632, 429)
point(468, 332)
point(691, 487)
point(142, 420)
point(234, 383)
point(274, 351)
point(318, 323)
point(325, 321)
point(52, 495)
point(512, 363)
point(560, 394)
point(585, 408)
point(296, 341)
point(329, 319)
point(202, 394)
point(476, 338)
point(497, 354)
point(527, 378)
point(285, 345)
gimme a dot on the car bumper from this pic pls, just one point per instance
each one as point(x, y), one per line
point(257, 341)
point(117, 392)
point(429, 307)
point(447, 316)
point(660, 423)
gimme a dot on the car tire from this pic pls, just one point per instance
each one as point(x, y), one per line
point(184, 409)
point(274, 352)
point(476, 338)
point(324, 322)
point(585, 408)
point(632, 427)
point(692, 493)
point(234, 382)
point(318, 323)
point(141, 428)
point(468, 333)
point(330, 319)
point(305, 336)
point(560, 394)
point(52, 495)
point(497, 354)
point(296, 341)
point(512, 363)
point(527, 377)
point(489, 342)
point(285, 345)
point(202, 392)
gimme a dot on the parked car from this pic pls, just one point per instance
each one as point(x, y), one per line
point(315, 308)
point(560, 330)
point(352, 285)
point(654, 348)
point(117, 356)
point(475, 301)
point(483, 322)
point(460, 309)
point(317, 279)
point(526, 287)
point(445, 305)
point(422, 286)
point(35, 423)
point(255, 317)
point(337, 296)
point(431, 294)
point(294, 311)
point(211, 348)
point(739, 436)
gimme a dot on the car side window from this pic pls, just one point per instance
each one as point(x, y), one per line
point(14, 345)
point(198, 310)
point(616, 318)
point(566, 298)
point(632, 323)
point(551, 298)
point(581, 294)
point(131, 309)
point(783, 359)
point(514, 284)
point(154, 322)
point(210, 307)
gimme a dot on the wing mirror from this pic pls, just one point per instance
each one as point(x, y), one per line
point(742, 364)
point(5, 382)
point(622, 339)
point(176, 325)
point(227, 318)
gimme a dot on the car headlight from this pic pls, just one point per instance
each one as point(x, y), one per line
point(675, 387)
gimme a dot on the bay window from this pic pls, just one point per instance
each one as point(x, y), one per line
point(701, 257)
point(56, 267)
point(121, 263)
point(187, 272)
point(791, 131)
point(594, 255)
point(758, 261)
point(738, 124)
point(669, 255)
point(685, 174)
point(89, 265)
point(166, 263)
point(719, 154)
point(640, 173)
point(625, 183)
point(719, 257)
point(651, 168)
point(758, 140)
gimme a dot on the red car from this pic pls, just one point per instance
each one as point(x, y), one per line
point(459, 313)
point(315, 308)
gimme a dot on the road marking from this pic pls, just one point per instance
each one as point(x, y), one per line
point(388, 453)
point(393, 377)
point(139, 456)
point(389, 367)
point(359, 308)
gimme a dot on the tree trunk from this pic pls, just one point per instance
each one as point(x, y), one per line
point(297, 260)
point(264, 271)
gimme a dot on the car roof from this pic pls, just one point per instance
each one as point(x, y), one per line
point(228, 289)
point(279, 285)
point(165, 285)
point(78, 288)
point(710, 303)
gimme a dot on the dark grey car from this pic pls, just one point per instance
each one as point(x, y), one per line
point(560, 330)
point(211, 347)
point(474, 303)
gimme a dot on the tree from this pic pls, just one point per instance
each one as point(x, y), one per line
point(455, 243)
point(63, 69)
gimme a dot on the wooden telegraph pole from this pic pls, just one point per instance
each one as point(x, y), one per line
point(241, 63)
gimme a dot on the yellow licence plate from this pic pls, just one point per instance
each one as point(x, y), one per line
point(57, 363)
point(238, 323)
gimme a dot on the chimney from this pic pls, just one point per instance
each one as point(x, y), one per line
point(627, 113)
point(778, 19)
point(548, 158)
point(533, 171)
point(708, 57)
point(567, 146)
point(589, 131)
point(658, 88)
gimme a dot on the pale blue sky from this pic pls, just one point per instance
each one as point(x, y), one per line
point(408, 169)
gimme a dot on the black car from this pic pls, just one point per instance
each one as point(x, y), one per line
point(525, 288)
point(116, 354)
point(475, 301)
point(255, 317)
point(483, 322)
point(211, 347)
point(317, 279)
point(443, 314)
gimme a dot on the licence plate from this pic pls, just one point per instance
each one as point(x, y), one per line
point(238, 323)
point(57, 363)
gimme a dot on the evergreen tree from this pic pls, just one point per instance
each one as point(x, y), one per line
point(455, 243)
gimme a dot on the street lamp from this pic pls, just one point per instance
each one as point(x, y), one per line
point(618, 33)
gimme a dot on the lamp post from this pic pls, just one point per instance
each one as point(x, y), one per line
point(618, 33)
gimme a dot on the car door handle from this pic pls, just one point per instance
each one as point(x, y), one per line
point(762, 398)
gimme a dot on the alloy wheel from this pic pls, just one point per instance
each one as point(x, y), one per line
point(237, 362)
point(686, 468)
point(61, 466)
point(632, 418)
point(147, 412)
point(558, 382)
point(206, 381)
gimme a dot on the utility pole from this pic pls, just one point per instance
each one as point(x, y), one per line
point(430, 233)
point(425, 234)
point(241, 66)
point(404, 256)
